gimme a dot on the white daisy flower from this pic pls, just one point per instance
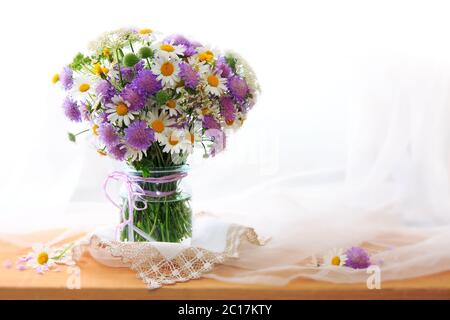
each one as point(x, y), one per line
point(169, 50)
point(160, 123)
point(119, 112)
point(179, 158)
point(192, 137)
point(173, 141)
point(41, 258)
point(82, 88)
point(172, 107)
point(94, 141)
point(214, 84)
point(335, 258)
point(105, 68)
point(166, 71)
point(207, 110)
point(147, 34)
point(236, 123)
point(206, 54)
point(200, 66)
point(135, 155)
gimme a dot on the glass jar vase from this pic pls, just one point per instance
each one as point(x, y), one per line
point(162, 211)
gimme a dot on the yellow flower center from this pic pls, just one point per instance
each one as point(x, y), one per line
point(101, 152)
point(173, 140)
point(205, 111)
point(190, 137)
point(229, 122)
point(99, 70)
point(167, 47)
point(84, 87)
point(55, 78)
point(42, 258)
point(145, 31)
point(158, 125)
point(206, 56)
point(336, 261)
point(171, 103)
point(121, 109)
point(167, 69)
point(213, 80)
point(106, 52)
point(94, 129)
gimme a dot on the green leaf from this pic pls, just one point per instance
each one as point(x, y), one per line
point(231, 62)
point(79, 61)
point(72, 137)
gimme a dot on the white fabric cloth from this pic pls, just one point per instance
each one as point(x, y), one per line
point(392, 197)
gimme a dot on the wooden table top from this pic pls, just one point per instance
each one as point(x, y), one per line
point(101, 282)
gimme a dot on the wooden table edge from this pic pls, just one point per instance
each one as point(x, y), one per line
point(220, 294)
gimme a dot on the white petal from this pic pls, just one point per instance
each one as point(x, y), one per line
point(38, 247)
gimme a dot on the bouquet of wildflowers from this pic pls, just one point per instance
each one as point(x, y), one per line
point(151, 103)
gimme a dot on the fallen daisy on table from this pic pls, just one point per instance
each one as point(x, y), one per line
point(44, 258)
point(357, 258)
point(41, 258)
point(335, 258)
point(354, 258)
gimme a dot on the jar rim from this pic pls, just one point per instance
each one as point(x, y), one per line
point(178, 168)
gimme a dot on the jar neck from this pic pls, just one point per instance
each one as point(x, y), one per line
point(157, 171)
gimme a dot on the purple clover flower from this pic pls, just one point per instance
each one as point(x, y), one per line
point(71, 110)
point(106, 91)
point(227, 109)
point(238, 88)
point(118, 151)
point(139, 136)
point(131, 95)
point(129, 73)
point(138, 67)
point(223, 69)
point(177, 39)
point(189, 47)
point(85, 115)
point(103, 117)
point(210, 123)
point(189, 75)
point(108, 134)
point(66, 78)
point(189, 51)
point(357, 258)
point(146, 83)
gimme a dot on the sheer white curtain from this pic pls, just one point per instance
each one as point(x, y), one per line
point(349, 143)
point(393, 196)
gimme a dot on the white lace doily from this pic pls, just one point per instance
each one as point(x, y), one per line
point(158, 263)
